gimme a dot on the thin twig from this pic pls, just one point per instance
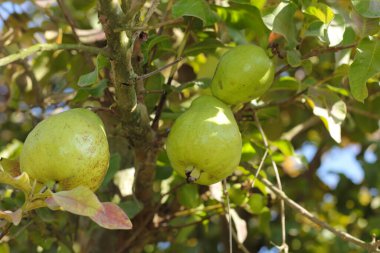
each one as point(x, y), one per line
point(282, 204)
point(239, 244)
point(150, 27)
point(282, 102)
point(316, 52)
point(23, 53)
point(153, 7)
point(300, 128)
point(190, 223)
point(162, 101)
point(363, 113)
point(69, 18)
point(5, 230)
point(159, 69)
point(147, 219)
point(228, 213)
point(371, 247)
point(260, 166)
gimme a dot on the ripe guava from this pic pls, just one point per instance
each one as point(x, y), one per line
point(243, 73)
point(204, 144)
point(69, 148)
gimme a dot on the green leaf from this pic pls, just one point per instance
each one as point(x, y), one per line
point(114, 166)
point(316, 29)
point(285, 147)
point(132, 207)
point(88, 79)
point(237, 195)
point(365, 65)
point(111, 216)
point(293, 57)
point(97, 90)
point(367, 8)
point(80, 200)
point(101, 62)
point(284, 24)
point(207, 46)
point(256, 203)
point(194, 8)
point(188, 196)
point(321, 11)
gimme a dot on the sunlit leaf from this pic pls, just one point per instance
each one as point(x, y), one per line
point(330, 108)
point(216, 191)
point(111, 216)
point(80, 201)
point(335, 30)
point(240, 225)
point(321, 11)
point(366, 64)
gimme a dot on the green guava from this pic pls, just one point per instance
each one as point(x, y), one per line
point(243, 73)
point(204, 144)
point(69, 148)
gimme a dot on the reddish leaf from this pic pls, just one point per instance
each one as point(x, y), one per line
point(52, 204)
point(13, 217)
point(80, 200)
point(112, 217)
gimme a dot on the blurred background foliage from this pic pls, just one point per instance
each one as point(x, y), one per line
point(321, 117)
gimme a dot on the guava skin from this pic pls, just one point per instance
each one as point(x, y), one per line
point(206, 138)
point(69, 148)
point(243, 74)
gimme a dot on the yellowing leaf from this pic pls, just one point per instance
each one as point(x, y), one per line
point(10, 166)
point(80, 201)
point(20, 182)
point(321, 11)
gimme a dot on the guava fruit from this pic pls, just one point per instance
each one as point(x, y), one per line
point(204, 144)
point(243, 73)
point(69, 148)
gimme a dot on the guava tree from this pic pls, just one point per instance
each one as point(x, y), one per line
point(265, 91)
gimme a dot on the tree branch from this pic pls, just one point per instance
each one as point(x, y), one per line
point(370, 247)
point(23, 53)
point(150, 27)
point(283, 246)
point(316, 52)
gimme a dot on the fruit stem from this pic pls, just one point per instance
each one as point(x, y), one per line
point(192, 174)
